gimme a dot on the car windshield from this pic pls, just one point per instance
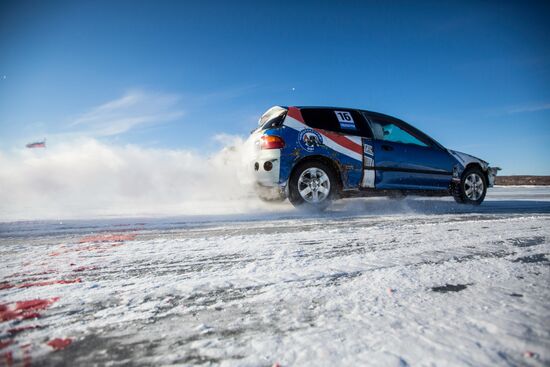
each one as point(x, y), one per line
point(271, 117)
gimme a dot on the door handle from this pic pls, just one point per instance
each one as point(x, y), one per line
point(387, 148)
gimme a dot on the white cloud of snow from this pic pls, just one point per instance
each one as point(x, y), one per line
point(88, 178)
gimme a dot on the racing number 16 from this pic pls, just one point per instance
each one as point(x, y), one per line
point(344, 116)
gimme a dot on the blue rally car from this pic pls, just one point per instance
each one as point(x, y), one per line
point(312, 155)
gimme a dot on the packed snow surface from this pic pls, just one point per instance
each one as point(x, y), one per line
point(418, 282)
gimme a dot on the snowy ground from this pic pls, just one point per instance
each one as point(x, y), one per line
point(372, 282)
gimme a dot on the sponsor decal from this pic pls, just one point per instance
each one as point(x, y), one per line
point(309, 139)
point(368, 149)
point(350, 146)
point(345, 119)
point(369, 162)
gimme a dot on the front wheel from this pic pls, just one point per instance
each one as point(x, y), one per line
point(472, 188)
point(312, 185)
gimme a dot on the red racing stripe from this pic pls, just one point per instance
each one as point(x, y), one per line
point(343, 141)
point(295, 113)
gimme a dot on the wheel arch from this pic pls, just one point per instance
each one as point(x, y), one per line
point(477, 165)
point(323, 159)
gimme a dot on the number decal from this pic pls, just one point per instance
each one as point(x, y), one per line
point(345, 119)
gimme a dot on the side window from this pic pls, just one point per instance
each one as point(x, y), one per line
point(349, 122)
point(388, 131)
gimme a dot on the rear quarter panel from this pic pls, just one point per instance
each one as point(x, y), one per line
point(302, 142)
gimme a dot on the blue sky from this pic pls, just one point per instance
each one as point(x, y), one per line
point(474, 75)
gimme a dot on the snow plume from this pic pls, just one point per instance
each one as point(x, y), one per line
point(89, 178)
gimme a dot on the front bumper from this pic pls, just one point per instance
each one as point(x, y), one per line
point(491, 175)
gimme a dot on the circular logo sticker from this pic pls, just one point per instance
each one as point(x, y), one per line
point(309, 139)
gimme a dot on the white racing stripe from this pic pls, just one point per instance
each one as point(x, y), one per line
point(298, 126)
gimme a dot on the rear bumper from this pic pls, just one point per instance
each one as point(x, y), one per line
point(266, 167)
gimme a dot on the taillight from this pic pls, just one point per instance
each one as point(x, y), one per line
point(271, 142)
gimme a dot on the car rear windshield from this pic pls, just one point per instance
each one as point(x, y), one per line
point(346, 121)
point(272, 117)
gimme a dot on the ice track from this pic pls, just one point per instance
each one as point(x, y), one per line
point(373, 282)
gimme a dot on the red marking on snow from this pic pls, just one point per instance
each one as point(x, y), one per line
point(27, 360)
point(4, 344)
point(529, 354)
point(17, 330)
point(59, 343)
point(295, 113)
point(6, 314)
point(50, 282)
point(8, 359)
point(5, 285)
point(25, 309)
point(390, 291)
point(35, 304)
point(54, 254)
point(107, 238)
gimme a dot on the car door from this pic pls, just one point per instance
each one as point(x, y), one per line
point(404, 159)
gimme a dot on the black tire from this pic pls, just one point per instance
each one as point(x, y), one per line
point(298, 200)
point(458, 198)
point(465, 192)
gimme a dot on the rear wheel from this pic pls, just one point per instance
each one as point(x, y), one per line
point(312, 185)
point(472, 188)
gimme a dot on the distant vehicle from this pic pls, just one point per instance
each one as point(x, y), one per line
point(37, 144)
point(312, 155)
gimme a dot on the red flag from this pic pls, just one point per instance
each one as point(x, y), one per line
point(38, 144)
